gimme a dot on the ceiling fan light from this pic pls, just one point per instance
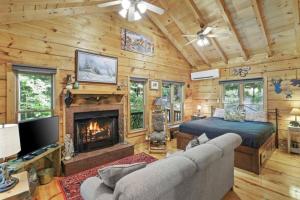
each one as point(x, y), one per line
point(142, 7)
point(126, 4)
point(123, 13)
point(200, 43)
point(205, 41)
point(137, 16)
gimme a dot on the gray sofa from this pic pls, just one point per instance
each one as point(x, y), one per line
point(203, 172)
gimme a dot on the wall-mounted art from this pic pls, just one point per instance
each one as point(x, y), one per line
point(241, 71)
point(277, 85)
point(91, 67)
point(295, 82)
point(135, 42)
point(154, 85)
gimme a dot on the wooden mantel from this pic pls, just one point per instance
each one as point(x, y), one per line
point(95, 92)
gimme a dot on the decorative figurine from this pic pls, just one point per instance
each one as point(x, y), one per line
point(68, 98)
point(295, 82)
point(288, 92)
point(68, 152)
point(76, 85)
point(241, 71)
point(69, 85)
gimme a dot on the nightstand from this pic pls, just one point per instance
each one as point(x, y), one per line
point(293, 147)
point(196, 117)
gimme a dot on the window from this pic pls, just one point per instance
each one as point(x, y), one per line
point(137, 104)
point(172, 95)
point(247, 92)
point(35, 92)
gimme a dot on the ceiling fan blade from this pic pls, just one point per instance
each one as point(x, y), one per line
point(207, 30)
point(154, 8)
point(108, 4)
point(211, 35)
point(190, 42)
point(189, 35)
point(131, 11)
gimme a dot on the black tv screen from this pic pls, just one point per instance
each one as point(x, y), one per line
point(36, 134)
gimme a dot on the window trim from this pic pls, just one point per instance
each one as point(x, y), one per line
point(241, 83)
point(41, 72)
point(140, 131)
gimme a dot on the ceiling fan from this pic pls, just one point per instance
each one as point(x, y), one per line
point(133, 9)
point(201, 37)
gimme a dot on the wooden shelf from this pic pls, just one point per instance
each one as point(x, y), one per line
point(94, 92)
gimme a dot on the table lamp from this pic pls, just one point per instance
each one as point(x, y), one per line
point(9, 146)
point(296, 112)
point(199, 110)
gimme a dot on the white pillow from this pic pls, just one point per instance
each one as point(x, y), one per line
point(202, 139)
point(259, 116)
point(219, 112)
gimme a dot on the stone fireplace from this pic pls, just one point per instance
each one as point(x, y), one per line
point(95, 126)
point(94, 130)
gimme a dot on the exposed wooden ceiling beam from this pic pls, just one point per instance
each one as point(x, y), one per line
point(197, 13)
point(297, 25)
point(227, 17)
point(17, 17)
point(259, 17)
point(184, 31)
point(163, 29)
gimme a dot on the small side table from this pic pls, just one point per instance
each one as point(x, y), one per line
point(20, 191)
point(296, 132)
point(196, 117)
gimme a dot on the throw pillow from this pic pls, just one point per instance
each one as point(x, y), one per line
point(112, 174)
point(259, 116)
point(234, 116)
point(202, 139)
point(219, 112)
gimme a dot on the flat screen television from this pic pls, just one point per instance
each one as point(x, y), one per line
point(39, 133)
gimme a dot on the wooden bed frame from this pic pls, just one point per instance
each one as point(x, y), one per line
point(247, 158)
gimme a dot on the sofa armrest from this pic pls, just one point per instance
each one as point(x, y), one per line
point(227, 142)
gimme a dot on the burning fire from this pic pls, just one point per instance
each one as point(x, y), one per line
point(94, 128)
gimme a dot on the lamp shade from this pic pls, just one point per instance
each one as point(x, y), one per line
point(199, 107)
point(295, 111)
point(9, 140)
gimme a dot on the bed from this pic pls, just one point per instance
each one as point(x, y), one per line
point(260, 139)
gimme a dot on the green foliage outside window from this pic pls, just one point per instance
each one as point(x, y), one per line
point(136, 105)
point(35, 96)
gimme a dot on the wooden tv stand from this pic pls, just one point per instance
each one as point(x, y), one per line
point(53, 154)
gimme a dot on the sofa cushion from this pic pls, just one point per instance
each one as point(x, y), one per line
point(112, 174)
point(155, 180)
point(227, 142)
point(93, 188)
point(203, 155)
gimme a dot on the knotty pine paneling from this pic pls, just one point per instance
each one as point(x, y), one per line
point(207, 92)
point(52, 43)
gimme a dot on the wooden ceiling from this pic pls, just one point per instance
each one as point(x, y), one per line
point(254, 27)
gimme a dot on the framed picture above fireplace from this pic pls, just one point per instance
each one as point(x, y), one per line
point(91, 67)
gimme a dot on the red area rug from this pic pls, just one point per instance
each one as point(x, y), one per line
point(70, 185)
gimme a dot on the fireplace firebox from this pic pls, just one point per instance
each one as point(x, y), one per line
point(95, 130)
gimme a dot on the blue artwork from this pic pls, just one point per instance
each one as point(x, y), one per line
point(277, 85)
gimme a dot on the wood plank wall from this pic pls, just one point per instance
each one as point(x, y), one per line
point(207, 93)
point(52, 43)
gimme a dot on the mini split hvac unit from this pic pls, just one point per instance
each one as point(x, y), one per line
point(202, 75)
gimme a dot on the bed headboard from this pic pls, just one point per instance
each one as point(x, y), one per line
point(270, 111)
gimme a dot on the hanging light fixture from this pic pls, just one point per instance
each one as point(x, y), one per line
point(137, 16)
point(123, 13)
point(202, 42)
point(126, 4)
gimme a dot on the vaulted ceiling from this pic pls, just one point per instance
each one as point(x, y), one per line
point(253, 27)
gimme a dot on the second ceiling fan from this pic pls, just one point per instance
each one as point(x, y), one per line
point(133, 9)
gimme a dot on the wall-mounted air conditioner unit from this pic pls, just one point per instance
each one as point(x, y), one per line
point(202, 75)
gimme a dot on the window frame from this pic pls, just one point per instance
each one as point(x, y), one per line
point(172, 113)
point(241, 90)
point(18, 112)
point(144, 128)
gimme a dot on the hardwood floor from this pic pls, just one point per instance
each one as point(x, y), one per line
point(280, 179)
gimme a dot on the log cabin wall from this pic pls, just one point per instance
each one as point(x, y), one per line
point(52, 43)
point(208, 92)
